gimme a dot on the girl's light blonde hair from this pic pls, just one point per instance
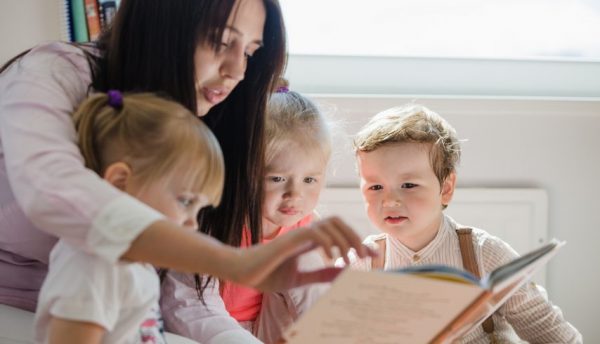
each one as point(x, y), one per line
point(293, 117)
point(417, 124)
point(156, 137)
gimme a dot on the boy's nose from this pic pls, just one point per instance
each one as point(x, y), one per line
point(391, 199)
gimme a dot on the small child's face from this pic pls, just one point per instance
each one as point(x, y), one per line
point(294, 179)
point(402, 193)
point(173, 198)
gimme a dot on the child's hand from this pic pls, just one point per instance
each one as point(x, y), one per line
point(273, 266)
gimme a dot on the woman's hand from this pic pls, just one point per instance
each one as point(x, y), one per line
point(268, 267)
point(274, 266)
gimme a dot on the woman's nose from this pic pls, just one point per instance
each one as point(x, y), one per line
point(234, 64)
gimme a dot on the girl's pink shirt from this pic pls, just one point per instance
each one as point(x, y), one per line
point(244, 303)
point(45, 190)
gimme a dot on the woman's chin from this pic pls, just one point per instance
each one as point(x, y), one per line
point(202, 108)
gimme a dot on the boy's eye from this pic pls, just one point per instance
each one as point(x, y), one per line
point(310, 180)
point(375, 187)
point(409, 185)
point(275, 179)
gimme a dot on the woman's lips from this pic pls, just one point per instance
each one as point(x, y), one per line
point(215, 95)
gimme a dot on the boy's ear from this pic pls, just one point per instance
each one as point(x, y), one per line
point(118, 174)
point(448, 188)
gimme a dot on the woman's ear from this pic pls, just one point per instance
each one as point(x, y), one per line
point(448, 188)
point(118, 174)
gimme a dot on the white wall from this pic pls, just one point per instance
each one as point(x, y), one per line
point(24, 23)
point(514, 143)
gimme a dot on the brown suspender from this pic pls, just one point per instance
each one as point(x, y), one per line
point(378, 262)
point(467, 252)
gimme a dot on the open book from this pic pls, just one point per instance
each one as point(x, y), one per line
point(422, 304)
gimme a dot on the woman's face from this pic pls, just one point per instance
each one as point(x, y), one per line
point(218, 72)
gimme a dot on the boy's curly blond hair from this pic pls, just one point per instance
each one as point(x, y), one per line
point(416, 124)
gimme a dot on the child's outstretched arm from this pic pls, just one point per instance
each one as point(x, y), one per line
point(71, 331)
point(270, 266)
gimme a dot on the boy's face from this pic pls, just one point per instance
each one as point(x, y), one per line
point(402, 193)
point(294, 179)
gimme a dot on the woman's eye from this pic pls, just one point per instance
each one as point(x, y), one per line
point(223, 46)
point(409, 185)
point(310, 180)
point(375, 187)
point(276, 179)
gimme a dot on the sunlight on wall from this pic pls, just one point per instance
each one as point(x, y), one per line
point(439, 28)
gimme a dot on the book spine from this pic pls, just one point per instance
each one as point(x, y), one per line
point(65, 21)
point(80, 31)
point(108, 9)
point(93, 19)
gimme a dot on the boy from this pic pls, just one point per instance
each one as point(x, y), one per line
point(407, 159)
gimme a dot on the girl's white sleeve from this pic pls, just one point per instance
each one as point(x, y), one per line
point(44, 166)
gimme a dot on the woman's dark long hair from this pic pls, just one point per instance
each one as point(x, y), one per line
point(150, 48)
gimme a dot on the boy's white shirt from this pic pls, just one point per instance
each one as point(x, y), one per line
point(527, 314)
point(83, 287)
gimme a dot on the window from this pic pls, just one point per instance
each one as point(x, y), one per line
point(441, 28)
point(481, 47)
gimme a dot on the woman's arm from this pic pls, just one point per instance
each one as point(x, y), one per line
point(68, 331)
point(44, 167)
point(60, 196)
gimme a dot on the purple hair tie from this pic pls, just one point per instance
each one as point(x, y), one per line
point(115, 99)
point(282, 89)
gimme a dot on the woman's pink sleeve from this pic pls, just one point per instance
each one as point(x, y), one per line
point(44, 167)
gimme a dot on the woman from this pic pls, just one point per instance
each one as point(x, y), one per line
point(219, 59)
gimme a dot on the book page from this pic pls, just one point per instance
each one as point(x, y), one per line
point(382, 307)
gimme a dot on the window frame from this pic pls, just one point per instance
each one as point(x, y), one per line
point(444, 76)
